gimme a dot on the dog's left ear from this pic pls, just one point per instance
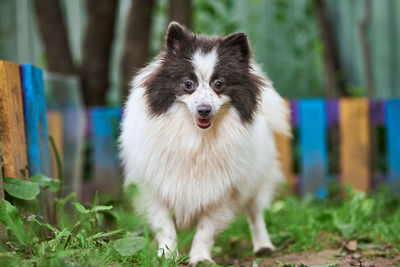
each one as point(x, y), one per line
point(176, 36)
point(238, 42)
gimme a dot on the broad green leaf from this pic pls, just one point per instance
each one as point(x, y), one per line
point(13, 222)
point(21, 189)
point(52, 184)
point(129, 246)
point(101, 208)
point(79, 207)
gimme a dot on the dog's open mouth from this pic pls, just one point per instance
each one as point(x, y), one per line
point(203, 123)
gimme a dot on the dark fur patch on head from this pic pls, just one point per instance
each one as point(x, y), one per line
point(233, 67)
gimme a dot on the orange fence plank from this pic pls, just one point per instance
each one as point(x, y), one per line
point(355, 143)
point(12, 130)
point(55, 128)
point(284, 147)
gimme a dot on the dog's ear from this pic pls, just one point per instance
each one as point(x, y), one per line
point(177, 35)
point(238, 42)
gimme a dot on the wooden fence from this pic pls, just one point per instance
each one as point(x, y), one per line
point(26, 126)
point(355, 119)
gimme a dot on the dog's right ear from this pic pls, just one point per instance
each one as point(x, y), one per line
point(177, 35)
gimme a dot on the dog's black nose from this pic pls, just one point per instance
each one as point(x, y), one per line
point(204, 110)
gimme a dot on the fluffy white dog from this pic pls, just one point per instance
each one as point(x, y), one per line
point(197, 139)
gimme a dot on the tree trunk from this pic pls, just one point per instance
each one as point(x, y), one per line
point(137, 40)
point(97, 49)
point(364, 28)
point(181, 11)
point(369, 85)
point(54, 36)
point(335, 81)
point(394, 48)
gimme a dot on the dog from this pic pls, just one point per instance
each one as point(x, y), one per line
point(197, 138)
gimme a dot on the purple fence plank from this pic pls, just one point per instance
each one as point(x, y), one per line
point(294, 107)
point(332, 109)
point(88, 128)
point(377, 111)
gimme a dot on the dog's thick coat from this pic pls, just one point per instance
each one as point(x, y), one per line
point(202, 174)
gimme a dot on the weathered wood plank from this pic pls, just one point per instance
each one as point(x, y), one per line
point(35, 120)
point(12, 130)
point(393, 143)
point(55, 127)
point(106, 167)
point(313, 146)
point(284, 147)
point(355, 143)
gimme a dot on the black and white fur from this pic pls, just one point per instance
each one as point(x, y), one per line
point(197, 139)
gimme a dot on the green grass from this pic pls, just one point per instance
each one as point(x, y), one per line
point(109, 233)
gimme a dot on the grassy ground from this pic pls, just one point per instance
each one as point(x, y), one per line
point(107, 233)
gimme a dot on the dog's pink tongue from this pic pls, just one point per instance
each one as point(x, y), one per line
point(203, 123)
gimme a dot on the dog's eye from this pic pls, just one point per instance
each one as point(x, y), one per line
point(218, 86)
point(189, 86)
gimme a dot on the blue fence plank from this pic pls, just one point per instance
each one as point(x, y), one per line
point(105, 132)
point(313, 146)
point(393, 143)
point(35, 120)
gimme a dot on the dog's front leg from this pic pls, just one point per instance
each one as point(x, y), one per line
point(208, 227)
point(161, 223)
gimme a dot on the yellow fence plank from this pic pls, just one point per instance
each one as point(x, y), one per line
point(355, 143)
point(284, 147)
point(55, 128)
point(12, 130)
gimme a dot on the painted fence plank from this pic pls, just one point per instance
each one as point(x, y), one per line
point(12, 130)
point(332, 110)
point(63, 93)
point(294, 109)
point(106, 167)
point(55, 127)
point(35, 120)
point(393, 143)
point(377, 111)
point(355, 144)
point(313, 146)
point(284, 147)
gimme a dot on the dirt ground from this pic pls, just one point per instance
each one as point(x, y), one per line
point(325, 258)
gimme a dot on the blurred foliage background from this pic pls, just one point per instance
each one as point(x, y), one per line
point(309, 48)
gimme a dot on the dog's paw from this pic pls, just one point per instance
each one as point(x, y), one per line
point(267, 250)
point(202, 263)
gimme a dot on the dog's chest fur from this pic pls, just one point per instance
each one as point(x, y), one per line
point(189, 170)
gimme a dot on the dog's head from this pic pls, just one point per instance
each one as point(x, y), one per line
point(207, 74)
